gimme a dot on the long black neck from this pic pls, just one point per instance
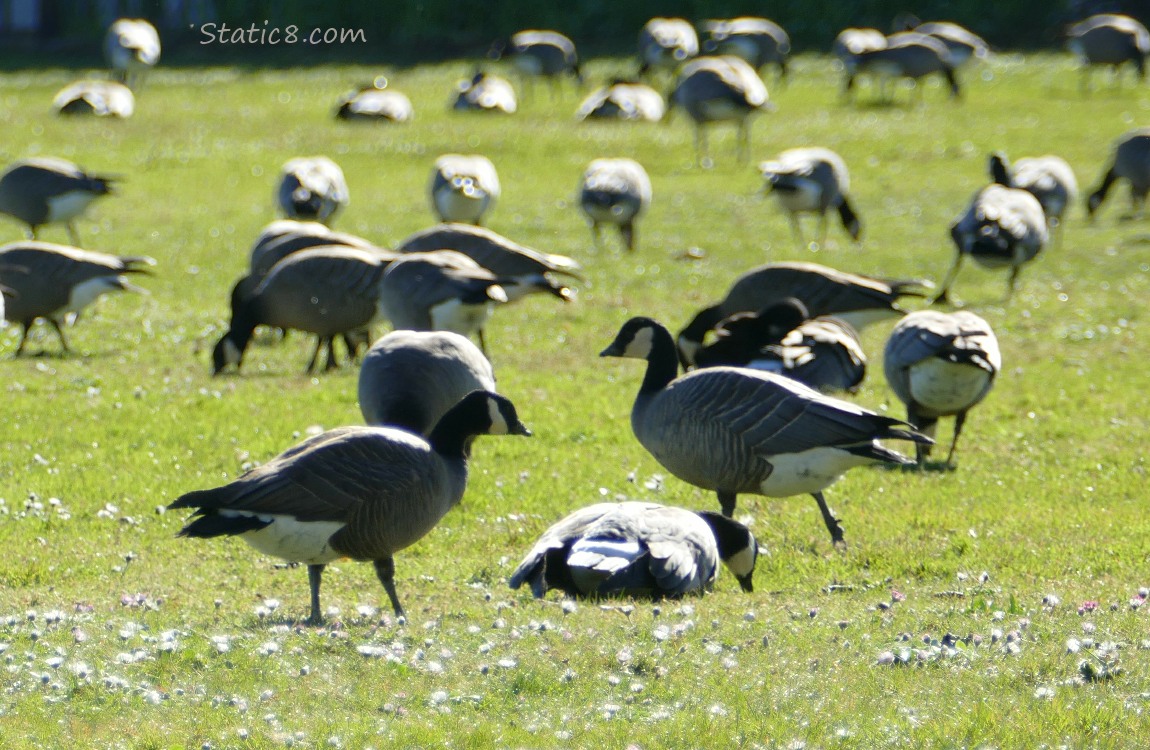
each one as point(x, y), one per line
point(455, 431)
point(662, 362)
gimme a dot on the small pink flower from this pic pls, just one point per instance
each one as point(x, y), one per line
point(1085, 607)
point(897, 596)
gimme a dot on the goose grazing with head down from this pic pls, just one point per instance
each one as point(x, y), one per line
point(1131, 162)
point(907, 54)
point(1048, 178)
point(734, 430)
point(811, 180)
point(312, 188)
point(940, 365)
point(49, 191)
point(615, 191)
point(1109, 39)
point(542, 54)
point(410, 379)
point(759, 41)
point(637, 549)
point(363, 493)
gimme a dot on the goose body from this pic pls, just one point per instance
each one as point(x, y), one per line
point(49, 191)
point(326, 290)
point(484, 92)
point(962, 43)
point(720, 89)
point(615, 191)
point(637, 549)
point(666, 43)
point(736, 430)
point(1048, 178)
point(1131, 162)
point(131, 46)
point(907, 54)
point(56, 282)
point(859, 300)
point(941, 365)
point(312, 188)
point(1109, 39)
point(623, 100)
point(464, 187)
point(811, 180)
point(758, 41)
point(283, 237)
point(540, 54)
point(376, 103)
point(409, 379)
point(363, 493)
point(96, 98)
point(851, 42)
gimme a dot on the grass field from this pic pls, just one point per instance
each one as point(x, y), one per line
point(1032, 555)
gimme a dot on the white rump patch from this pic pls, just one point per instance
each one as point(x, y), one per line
point(945, 387)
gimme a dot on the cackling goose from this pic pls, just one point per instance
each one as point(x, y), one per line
point(859, 300)
point(131, 47)
point(56, 282)
point(376, 103)
point(1108, 39)
point(666, 43)
point(623, 100)
point(939, 365)
point(736, 430)
point(1131, 162)
point(463, 187)
point(719, 89)
point(312, 188)
point(49, 191)
point(409, 379)
point(615, 191)
point(907, 55)
point(637, 549)
point(811, 180)
point(1048, 178)
point(363, 493)
point(757, 40)
point(96, 98)
point(484, 92)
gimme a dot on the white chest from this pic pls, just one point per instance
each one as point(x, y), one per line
point(457, 317)
point(67, 206)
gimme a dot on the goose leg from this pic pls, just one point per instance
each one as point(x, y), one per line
point(796, 229)
point(959, 420)
point(332, 363)
point(385, 571)
point(60, 333)
point(628, 232)
point(943, 296)
point(1012, 283)
point(314, 578)
point(829, 519)
point(727, 502)
point(25, 325)
point(482, 343)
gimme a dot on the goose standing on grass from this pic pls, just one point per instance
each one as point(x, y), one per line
point(906, 55)
point(441, 290)
point(1048, 178)
point(376, 103)
point(523, 269)
point(720, 89)
point(941, 365)
point(623, 100)
point(757, 40)
point(484, 92)
point(1130, 162)
point(363, 493)
point(811, 180)
point(464, 187)
point(637, 549)
point(1003, 226)
point(735, 430)
point(615, 191)
point(56, 282)
point(540, 54)
point(962, 43)
point(666, 43)
point(409, 379)
point(49, 191)
point(95, 98)
point(852, 42)
point(131, 47)
point(1109, 39)
point(859, 300)
point(328, 291)
point(312, 188)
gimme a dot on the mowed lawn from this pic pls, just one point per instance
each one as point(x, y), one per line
point(997, 605)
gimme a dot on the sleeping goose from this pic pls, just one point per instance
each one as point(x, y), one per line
point(637, 549)
point(857, 299)
point(464, 187)
point(376, 103)
point(312, 188)
point(410, 379)
point(735, 430)
point(485, 93)
point(759, 41)
point(623, 100)
point(131, 47)
point(719, 89)
point(1131, 162)
point(615, 191)
point(1048, 178)
point(56, 282)
point(941, 365)
point(811, 180)
point(1108, 39)
point(49, 191)
point(666, 43)
point(363, 493)
point(95, 98)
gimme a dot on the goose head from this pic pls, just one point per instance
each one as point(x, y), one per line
point(737, 546)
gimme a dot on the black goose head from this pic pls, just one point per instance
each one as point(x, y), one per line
point(737, 546)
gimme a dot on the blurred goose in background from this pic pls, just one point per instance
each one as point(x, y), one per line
point(1048, 178)
point(131, 47)
point(824, 353)
point(1109, 39)
point(720, 89)
point(312, 188)
point(859, 300)
point(484, 92)
point(852, 42)
point(666, 43)
point(637, 549)
point(56, 282)
point(758, 41)
point(523, 269)
point(409, 379)
point(811, 180)
point(1130, 161)
point(96, 98)
point(540, 54)
point(327, 290)
point(464, 187)
point(1003, 226)
point(962, 43)
point(441, 290)
point(363, 493)
point(376, 103)
point(736, 430)
point(907, 54)
point(623, 100)
point(49, 191)
point(941, 365)
point(615, 191)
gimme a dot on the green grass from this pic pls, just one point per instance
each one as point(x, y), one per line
point(1048, 498)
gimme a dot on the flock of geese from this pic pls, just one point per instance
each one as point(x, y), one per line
point(737, 402)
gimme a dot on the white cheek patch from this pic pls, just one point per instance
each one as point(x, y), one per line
point(742, 563)
point(640, 346)
point(499, 425)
